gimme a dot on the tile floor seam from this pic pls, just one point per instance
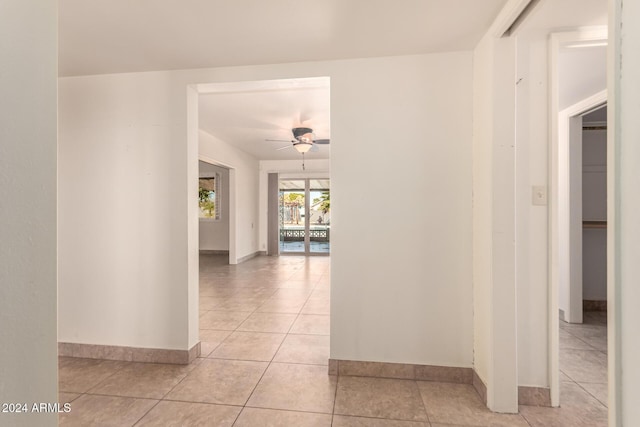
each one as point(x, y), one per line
point(335, 399)
point(591, 394)
point(202, 403)
point(592, 348)
point(145, 414)
point(424, 404)
point(88, 391)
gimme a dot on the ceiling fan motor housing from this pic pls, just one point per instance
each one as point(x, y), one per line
point(299, 132)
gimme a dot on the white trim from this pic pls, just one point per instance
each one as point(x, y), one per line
point(556, 42)
point(508, 16)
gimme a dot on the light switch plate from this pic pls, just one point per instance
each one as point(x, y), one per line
point(539, 195)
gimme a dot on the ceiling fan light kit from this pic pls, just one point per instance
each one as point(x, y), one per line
point(302, 146)
point(304, 141)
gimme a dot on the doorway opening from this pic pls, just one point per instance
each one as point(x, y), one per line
point(213, 203)
point(304, 214)
point(578, 94)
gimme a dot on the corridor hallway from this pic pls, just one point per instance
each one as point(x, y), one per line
point(264, 326)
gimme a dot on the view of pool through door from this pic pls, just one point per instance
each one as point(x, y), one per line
point(304, 216)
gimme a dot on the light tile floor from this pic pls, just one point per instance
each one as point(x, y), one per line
point(265, 343)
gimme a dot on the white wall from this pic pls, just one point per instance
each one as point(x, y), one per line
point(594, 208)
point(401, 275)
point(214, 234)
point(531, 226)
point(494, 232)
point(245, 192)
point(482, 206)
point(623, 212)
point(28, 353)
point(583, 72)
point(415, 306)
point(123, 211)
point(318, 168)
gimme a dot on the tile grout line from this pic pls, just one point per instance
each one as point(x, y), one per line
point(424, 404)
point(269, 363)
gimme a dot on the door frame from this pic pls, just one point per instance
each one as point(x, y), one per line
point(307, 214)
point(559, 180)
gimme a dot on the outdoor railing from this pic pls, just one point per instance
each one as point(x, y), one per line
point(297, 234)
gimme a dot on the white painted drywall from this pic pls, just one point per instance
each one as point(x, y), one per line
point(594, 208)
point(214, 234)
point(583, 72)
point(531, 224)
point(319, 168)
point(246, 191)
point(482, 207)
point(28, 353)
point(401, 274)
point(415, 306)
point(494, 232)
point(123, 203)
point(623, 213)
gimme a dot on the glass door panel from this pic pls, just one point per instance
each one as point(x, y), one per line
point(319, 216)
point(292, 216)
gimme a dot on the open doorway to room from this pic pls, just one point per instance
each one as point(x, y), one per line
point(583, 343)
point(213, 218)
point(578, 213)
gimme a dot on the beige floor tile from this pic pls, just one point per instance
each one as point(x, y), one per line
point(186, 414)
point(584, 365)
point(565, 378)
point(215, 291)
point(268, 322)
point(317, 306)
point(348, 421)
point(252, 417)
point(297, 284)
point(460, 404)
point(148, 380)
point(79, 375)
point(278, 305)
point(449, 425)
point(67, 397)
point(577, 409)
point(599, 391)
point(105, 411)
point(379, 398)
point(219, 381)
point(210, 340)
point(295, 387)
point(309, 349)
point(210, 302)
point(569, 341)
point(311, 324)
point(292, 294)
point(222, 320)
point(260, 346)
point(240, 304)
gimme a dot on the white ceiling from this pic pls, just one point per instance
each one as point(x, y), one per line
point(245, 114)
point(111, 36)
point(560, 15)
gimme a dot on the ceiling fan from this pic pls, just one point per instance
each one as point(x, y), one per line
point(304, 140)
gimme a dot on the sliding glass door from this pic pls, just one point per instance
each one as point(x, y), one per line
point(304, 216)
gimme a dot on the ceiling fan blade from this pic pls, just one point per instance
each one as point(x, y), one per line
point(321, 141)
point(279, 140)
point(283, 148)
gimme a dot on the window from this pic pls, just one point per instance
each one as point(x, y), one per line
point(209, 197)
